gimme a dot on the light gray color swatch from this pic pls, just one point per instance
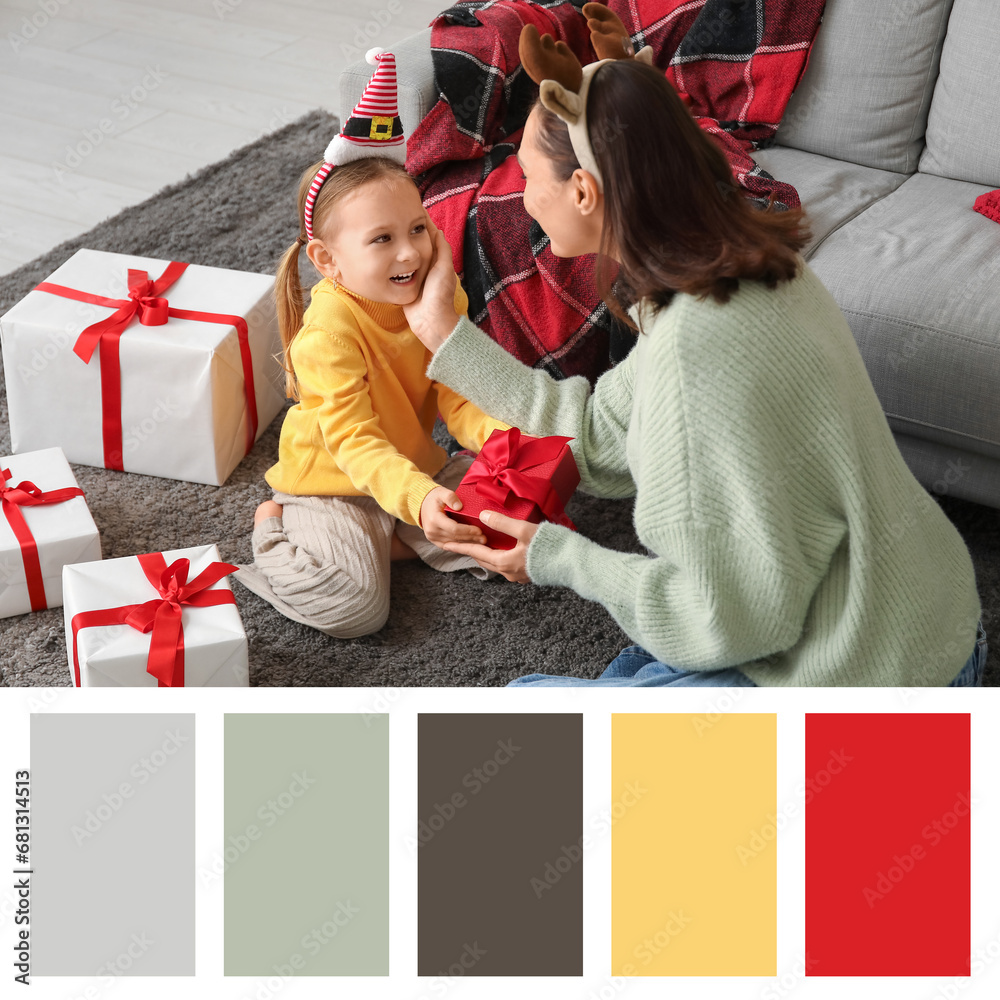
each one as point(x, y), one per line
point(112, 818)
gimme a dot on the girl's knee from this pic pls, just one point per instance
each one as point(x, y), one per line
point(354, 622)
point(341, 590)
point(351, 613)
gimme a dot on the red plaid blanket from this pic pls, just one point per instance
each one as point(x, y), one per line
point(738, 60)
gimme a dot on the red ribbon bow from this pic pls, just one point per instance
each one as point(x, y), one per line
point(501, 466)
point(162, 616)
point(145, 301)
point(29, 495)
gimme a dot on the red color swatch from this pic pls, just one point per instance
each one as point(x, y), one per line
point(888, 864)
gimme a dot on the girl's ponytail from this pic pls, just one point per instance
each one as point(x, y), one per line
point(288, 300)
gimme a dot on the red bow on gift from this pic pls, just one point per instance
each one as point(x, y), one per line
point(29, 495)
point(162, 616)
point(145, 301)
point(499, 470)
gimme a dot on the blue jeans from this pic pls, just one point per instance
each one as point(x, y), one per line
point(971, 675)
point(634, 667)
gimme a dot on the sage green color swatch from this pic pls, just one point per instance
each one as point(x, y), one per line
point(306, 845)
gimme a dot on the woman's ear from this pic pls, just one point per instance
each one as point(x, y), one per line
point(586, 196)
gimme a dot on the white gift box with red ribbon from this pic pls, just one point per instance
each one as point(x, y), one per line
point(42, 528)
point(166, 619)
point(145, 365)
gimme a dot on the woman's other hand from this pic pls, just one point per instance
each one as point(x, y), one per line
point(510, 563)
point(432, 315)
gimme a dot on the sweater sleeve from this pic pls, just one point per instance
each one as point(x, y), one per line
point(707, 601)
point(466, 422)
point(335, 370)
point(481, 370)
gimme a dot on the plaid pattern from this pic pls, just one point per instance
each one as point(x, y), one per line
point(738, 60)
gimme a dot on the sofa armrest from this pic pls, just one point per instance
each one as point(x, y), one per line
point(414, 74)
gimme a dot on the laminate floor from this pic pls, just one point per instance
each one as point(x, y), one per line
point(103, 102)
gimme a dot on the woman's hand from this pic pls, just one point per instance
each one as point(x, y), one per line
point(510, 563)
point(439, 527)
point(432, 316)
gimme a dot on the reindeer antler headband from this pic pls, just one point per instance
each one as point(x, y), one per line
point(564, 84)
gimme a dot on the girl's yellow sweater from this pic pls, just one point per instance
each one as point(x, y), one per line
point(362, 425)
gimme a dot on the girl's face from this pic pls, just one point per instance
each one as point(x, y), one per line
point(571, 212)
point(376, 243)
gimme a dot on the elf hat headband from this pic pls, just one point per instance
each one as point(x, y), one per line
point(374, 129)
point(564, 84)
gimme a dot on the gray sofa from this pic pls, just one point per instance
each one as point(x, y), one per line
point(892, 134)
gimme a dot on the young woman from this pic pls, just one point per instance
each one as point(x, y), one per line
point(789, 543)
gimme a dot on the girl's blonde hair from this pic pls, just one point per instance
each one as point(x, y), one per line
point(288, 293)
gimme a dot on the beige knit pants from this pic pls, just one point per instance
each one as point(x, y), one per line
point(325, 561)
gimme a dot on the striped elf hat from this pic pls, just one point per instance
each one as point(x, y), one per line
point(374, 128)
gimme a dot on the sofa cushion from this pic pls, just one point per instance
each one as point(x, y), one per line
point(963, 127)
point(916, 276)
point(957, 472)
point(831, 191)
point(865, 93)
point(414, 77)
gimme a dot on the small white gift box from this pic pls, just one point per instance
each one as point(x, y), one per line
point(145, 365)
point(41, 530)
point(128, 617)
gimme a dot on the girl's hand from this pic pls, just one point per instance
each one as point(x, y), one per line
point(510, 563)
point(439, 527)
point(432, 316)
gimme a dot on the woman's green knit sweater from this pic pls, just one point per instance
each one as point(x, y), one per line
point(786, 535)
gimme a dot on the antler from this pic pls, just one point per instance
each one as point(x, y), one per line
point(608, 35)
point(563, 84)
point(543, 58)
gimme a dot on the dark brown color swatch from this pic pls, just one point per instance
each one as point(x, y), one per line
point(500, 832)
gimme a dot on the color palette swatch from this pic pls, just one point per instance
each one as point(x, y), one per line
point(500, 862)
point(499, 847)
point(888, 842)
point(693, 878)
point(113, 823)
point(306, 845)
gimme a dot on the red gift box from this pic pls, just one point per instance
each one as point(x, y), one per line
point(525, 477)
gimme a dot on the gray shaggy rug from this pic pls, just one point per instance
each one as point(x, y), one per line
point(443, 629)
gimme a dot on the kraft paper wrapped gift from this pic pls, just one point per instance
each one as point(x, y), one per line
point(152, 621)
point(525, 477)
point(145, 365)
point(44, 524)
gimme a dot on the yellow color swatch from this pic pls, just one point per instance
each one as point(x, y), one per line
point(694, 845)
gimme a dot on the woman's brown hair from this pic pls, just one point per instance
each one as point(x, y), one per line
point(288, 294)
point(673, 215)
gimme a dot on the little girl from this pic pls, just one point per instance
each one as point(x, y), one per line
point(358, 474)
